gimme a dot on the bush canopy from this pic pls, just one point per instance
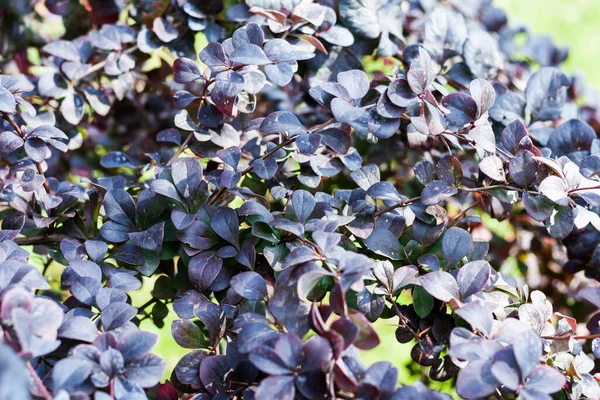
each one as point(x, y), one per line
point(284, 173)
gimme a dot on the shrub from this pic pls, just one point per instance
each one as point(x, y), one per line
point(285, 173)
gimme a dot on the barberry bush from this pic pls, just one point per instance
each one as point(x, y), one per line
point(280, 174)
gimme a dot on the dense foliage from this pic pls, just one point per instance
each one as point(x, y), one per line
point(285, 173)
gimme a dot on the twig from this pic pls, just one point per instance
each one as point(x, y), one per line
point(213, 198)
point(575, 337)
point(462, 213)
point(401, 204)
point(181, 149)
point(499, 394)
point(405, 320)
point(146, 304)
point(492, 187)
point(97, 67)
point(216, 195)
point(446, 144)
point(465, 189)
point(40, 239)
point(38, 382)
point(505, 154)
point(584, 188)
point(191, 135)
point(287, 142)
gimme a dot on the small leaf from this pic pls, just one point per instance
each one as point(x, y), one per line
point(456, 244)
point(476, 315)
point(462, 107)
point(473, 277)
point(116, 315)
point(70, 373)
point(523, 168)
point(528, 351)
point(545, 93)
point(437, 191)
point(150, 239)
point(187, 334)
point(384, 191)
point(561, 222)
point(448, 169)
point(281, 121)
point(249, 285)
point(513, 134)
point(170, 135)
point(204, 268)
point(250, 54)
point(355, 81)
point(382, 241)
point(72, 108)
point(441, 285)
point(226, 224)
point(116, 159)
point(476, 380)
point(63, 49)
point(214, 55)
point(7, 101)
point(484, 137)
point(303, 204)
point(146, 371)
point(165, 31)
point(555, 189)
point(186, 70)
point(483, 93)
point(366, 176)
point(9, 141)
point(493, 167)
point(422, 302)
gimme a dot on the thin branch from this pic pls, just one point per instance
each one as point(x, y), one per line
point(40, 239)
point(492, 187)
point(98, 66)
point(465, 189)
point(584, 188)
point(471, 141)
point(446, 144)
point(38, 382)
point(213, 198)
point(146, 304)
point(16, 127)
point(216, 195)
point(576, 337)
point(462, 213)
point(401, 204)
point(505, 154)
point(191, 135)
point(181, 149)
point(404, 320)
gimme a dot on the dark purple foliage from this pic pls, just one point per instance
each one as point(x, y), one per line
point(280, 200)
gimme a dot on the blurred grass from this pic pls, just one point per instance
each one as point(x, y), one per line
point(571, 23)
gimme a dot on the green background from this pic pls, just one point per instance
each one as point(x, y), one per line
point(570, 23)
